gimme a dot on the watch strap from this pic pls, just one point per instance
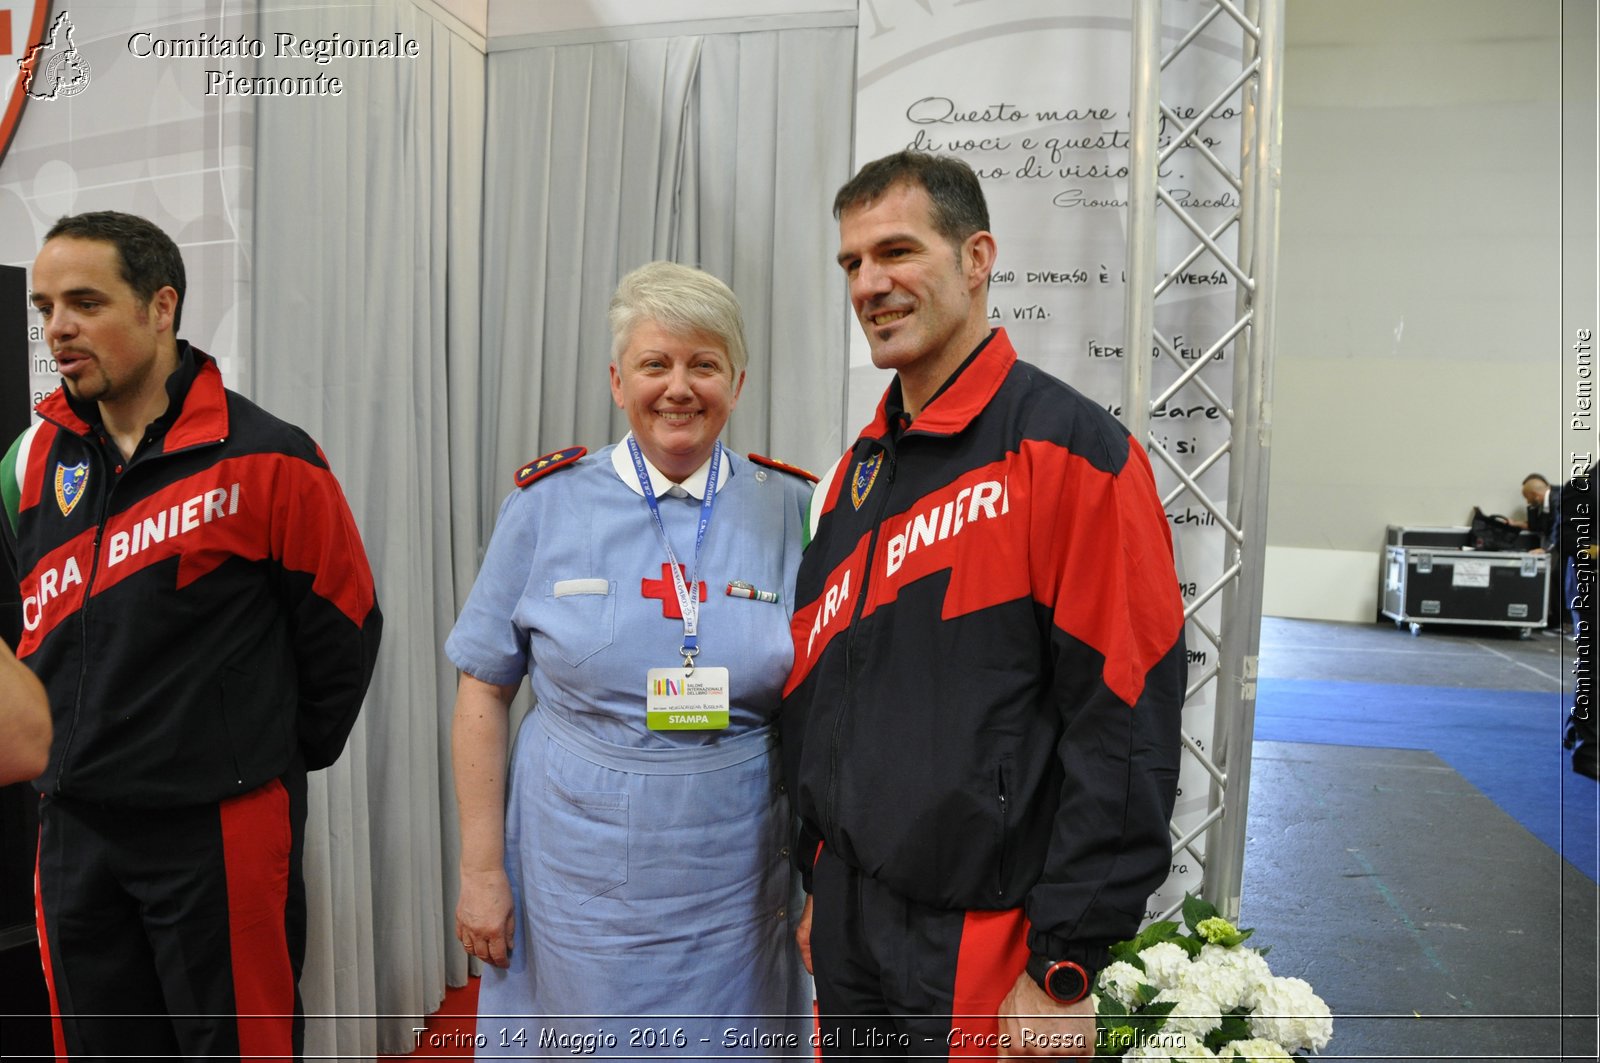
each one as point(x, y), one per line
point(1091, 961)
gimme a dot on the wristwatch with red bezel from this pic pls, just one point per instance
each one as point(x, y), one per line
point(1064, 981)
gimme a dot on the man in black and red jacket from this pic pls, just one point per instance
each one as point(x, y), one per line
point(981, 730)
point(197, 601)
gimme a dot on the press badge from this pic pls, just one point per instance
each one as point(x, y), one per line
point(681, 699)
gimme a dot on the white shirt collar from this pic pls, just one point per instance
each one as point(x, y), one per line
point(693, 486)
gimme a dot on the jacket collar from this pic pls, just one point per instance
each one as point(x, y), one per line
point(959, 399)
point(197, 405)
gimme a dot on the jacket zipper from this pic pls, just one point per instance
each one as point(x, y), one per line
point(891, 459)
point(98, 448)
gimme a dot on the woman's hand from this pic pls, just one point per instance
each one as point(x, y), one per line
point(486, 924)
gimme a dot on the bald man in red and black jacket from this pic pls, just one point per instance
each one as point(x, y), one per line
point(981, 730)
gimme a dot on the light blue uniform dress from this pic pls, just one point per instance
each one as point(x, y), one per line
point(654, 895)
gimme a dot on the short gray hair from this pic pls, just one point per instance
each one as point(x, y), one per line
point(680, 299)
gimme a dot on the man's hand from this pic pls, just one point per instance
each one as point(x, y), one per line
point(802, 935)
point(1033, 1024)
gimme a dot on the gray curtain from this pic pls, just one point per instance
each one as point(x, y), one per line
point(721, 151)
point(433, 254)
point(366, 260)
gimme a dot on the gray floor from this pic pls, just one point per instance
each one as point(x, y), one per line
point(1447, 656)
point(1433, 924)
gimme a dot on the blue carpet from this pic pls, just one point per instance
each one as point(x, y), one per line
point(1507, 743)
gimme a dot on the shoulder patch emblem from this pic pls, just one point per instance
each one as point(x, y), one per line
point(538, 467)
point(70, 480)
point(783, 466)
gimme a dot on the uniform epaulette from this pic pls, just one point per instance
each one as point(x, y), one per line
point(538, 467)
point(783, 466)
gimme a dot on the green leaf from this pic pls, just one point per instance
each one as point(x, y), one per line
point(1195, 909)
point(1155, 934)
point(1146, 1026)
point(1144, 994)
point(1110, 1007)
point(1238, 937)
point(1190, 945)
point(1127, 952)
point(1113, 1040)
point(1232, 1028)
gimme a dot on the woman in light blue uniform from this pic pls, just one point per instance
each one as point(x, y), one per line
point(630, 889)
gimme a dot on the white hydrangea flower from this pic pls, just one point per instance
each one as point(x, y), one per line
point(1228, 979)
point(1196, 1013)
point(1255, 1050)
point(1164, 965)
point(1287, 1011)
point(1121, 982)
point(1247, 961)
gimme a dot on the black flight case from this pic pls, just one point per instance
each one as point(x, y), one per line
point(1431, 576)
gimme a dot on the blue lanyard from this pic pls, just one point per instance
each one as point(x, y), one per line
point(688, 601)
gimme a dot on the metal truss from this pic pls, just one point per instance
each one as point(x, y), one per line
point(1216, 842)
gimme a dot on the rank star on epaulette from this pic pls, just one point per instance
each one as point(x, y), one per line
point(783, 466)
point(538, 467)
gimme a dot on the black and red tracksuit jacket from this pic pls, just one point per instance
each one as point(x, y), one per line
point(989, 669)
point(202, 614)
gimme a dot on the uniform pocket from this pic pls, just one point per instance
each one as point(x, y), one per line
point(582, 617)
point(257, 709)
point(583, 840)
point(1004, 799)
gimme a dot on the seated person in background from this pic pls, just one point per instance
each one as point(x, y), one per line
point(1544, 520)
point(1544, 502)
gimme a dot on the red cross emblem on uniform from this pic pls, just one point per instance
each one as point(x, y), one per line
point(662, 588)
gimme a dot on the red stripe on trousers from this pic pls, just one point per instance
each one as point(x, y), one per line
point(255, 847)
point(57, 1034)
point(993, 953)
